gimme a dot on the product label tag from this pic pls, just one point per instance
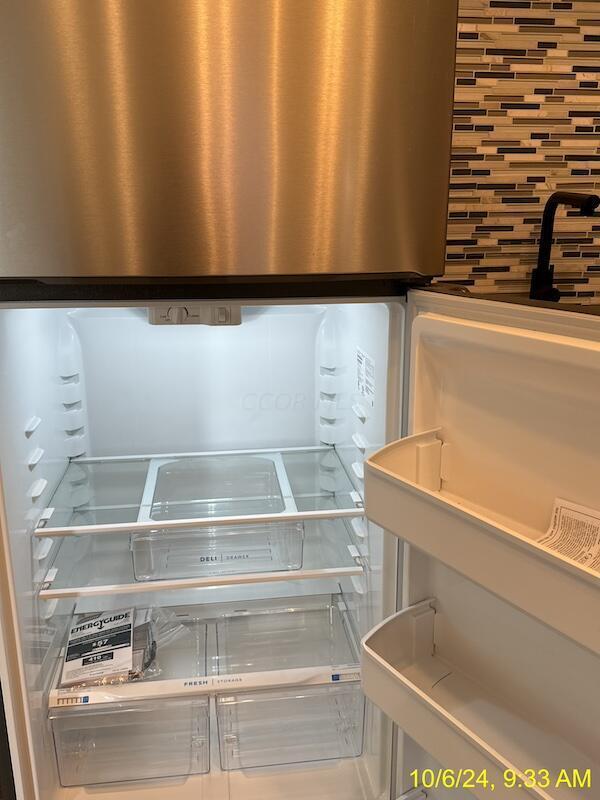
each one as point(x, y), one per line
point(574, 532)
point(365, 376)
point(99, 646)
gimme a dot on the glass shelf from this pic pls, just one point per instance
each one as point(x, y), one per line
point(117, 495)
point(84, 565)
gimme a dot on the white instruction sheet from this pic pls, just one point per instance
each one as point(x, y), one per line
point(100, 646)
point(365, 376)
point(574, 532)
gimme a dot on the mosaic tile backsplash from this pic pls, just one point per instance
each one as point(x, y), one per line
point(526, 123)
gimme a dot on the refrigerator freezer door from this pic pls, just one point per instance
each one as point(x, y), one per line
point(238, 138)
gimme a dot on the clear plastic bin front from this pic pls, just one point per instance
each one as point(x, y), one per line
point(192, 553)
point(142, 740)
point(299, 724)
point(312, 631)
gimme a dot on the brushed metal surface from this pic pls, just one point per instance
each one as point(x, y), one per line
point(178, 138)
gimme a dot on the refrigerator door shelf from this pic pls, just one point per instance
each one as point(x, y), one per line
point(290, 726)
point(84, 565)
point(203, 490)
point(460, 722)
point(405, 495)
point(131, 741)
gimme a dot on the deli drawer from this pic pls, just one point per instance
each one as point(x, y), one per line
point(166, 553)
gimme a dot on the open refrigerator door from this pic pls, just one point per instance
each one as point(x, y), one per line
point(490, 667)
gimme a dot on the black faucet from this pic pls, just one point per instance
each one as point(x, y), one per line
point(543, 275)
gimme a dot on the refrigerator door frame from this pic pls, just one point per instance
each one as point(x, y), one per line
point(20, 744)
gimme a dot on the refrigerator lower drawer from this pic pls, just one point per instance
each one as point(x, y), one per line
point(144, 740)
point(163, 554)
point(262, 729)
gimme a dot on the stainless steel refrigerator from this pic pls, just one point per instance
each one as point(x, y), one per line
point(345, 526)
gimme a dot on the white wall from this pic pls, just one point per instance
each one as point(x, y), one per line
point(153, 389)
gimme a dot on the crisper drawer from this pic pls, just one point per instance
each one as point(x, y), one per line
point(133, 741)
point(266, 728)
point(160, 554)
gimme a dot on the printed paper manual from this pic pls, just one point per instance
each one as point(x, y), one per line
point(574, 532)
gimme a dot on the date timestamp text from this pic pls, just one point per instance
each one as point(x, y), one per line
point(511, 779)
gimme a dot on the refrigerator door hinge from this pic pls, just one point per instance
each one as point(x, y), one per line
point(195, 314)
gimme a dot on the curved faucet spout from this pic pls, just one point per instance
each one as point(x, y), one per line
point(543, 275)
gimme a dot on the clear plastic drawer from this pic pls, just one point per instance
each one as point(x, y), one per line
point(296, 632)
point(117, 731)
point(161, 554)
point(298, 724)
point(216, 486)
point(140, 740)
point(294, 723)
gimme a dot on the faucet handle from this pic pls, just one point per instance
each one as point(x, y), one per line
point(586, 203)
point(542, 276)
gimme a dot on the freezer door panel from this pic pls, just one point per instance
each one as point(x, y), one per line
point(203, 138)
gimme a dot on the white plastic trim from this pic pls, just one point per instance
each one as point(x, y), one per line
point(37, 488)
point(209, 685)
point(73, 419)
point(35, 457)
point(74, 446)
point(206, 522)
point(135, 587)
point(71, 393)
point(31, 425)
point(359, 412)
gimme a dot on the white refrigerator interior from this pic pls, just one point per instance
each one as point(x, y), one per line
point(211, 478)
